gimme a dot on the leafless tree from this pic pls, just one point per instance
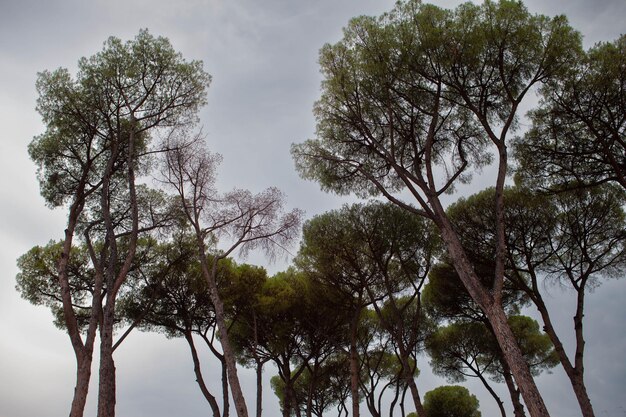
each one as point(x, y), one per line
point(235, 221)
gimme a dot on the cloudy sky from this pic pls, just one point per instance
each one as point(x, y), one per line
point(263, 59)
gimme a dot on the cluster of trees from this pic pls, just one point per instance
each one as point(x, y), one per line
point(412, 103)
point(127, 116)
point(415, 101)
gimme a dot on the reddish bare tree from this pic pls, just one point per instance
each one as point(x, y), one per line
point(238, 220)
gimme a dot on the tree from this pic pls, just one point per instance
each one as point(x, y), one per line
point(574, 238)
point(374, 254)
point(381, 366)
point(446, 299)
point(249, 222)
point(241, 293)
point(578, 134)
point(415, 99)
point(314, 394)
point(171, 297)
point(96, 144)
point(468, 349)
point(451, 401)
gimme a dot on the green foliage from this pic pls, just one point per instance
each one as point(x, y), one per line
point(421, 87)
point(38, 283)
point(376, 246)
point(445, 296)
point(170, 295)
point(578, 131)
point(450, 401)
point(127, 89)
point(534, 344)
point(463, 349)
point(37, 280)
point(573, 236)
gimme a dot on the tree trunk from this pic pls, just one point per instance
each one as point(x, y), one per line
point(259, 368)
point(408, 375)
point(311, 388)
point(83, 375)
point(259, 389)
point(518, 408)
point(229, 356)
point(106, 388)
point(575, 375)
point(491, 391)
point(199, 378)
point(495, 314)
point(225, 390)
point(354, 365)
point(287, 393)
point(82, 351)
point(515, 360)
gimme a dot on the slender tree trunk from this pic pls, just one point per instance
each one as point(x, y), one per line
point(408, 376)
point(393, 403)
point(492, 392)
point(574, 373)
point(407, 373)
point(354, 365)
point(82, 351)
point(199, 378)
point(287, 394)
point(518, 407)
point(229, 356)
point(259, 388)
point(259, 368)
point(578, 382)
point(402, 410)
point(311, 389)
point(225, 389)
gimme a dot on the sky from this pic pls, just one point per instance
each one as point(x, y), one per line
point(263, 59)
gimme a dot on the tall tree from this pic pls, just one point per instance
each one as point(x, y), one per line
point(242, 220)
point(468, 349)
point(98, 128)
point(375, 254)
point(171, 297)
point(415, 99)
point(574, 238)
point(578, 134)
point(447, 300)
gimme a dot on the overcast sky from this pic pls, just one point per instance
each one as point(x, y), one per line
point(263, 59)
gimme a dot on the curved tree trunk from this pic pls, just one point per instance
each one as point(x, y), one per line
point(518, 408)
point(408, 375)
point(574, 373)
point(199, 378)
point(491, 391)
point(229, 356)
point(225, 390)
